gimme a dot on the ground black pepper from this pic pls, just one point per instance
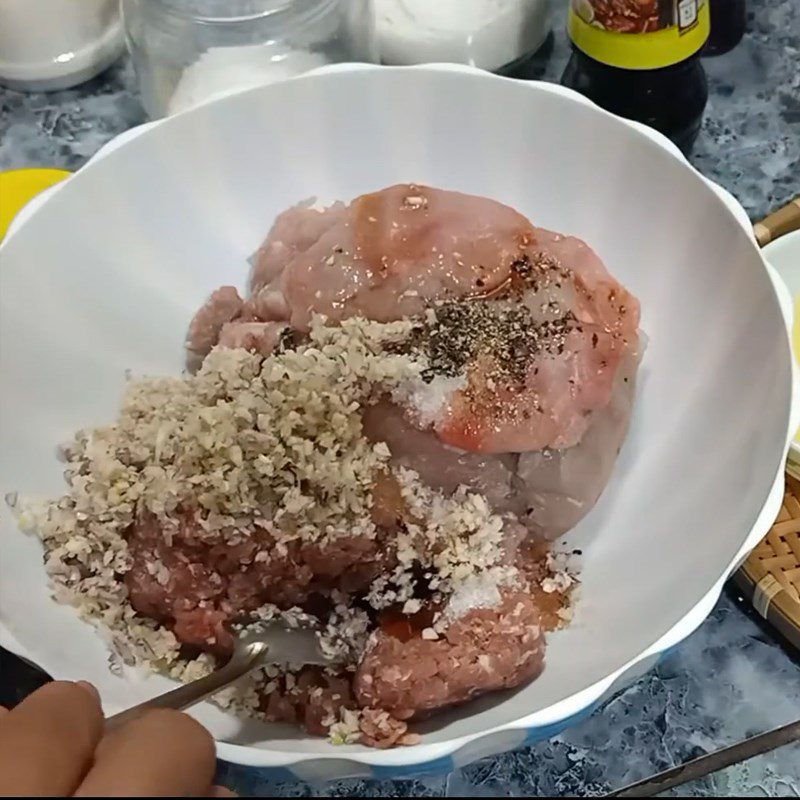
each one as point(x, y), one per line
point(504, 333)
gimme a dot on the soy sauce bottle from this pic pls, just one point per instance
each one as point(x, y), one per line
point(728, 22)
point(640, 59)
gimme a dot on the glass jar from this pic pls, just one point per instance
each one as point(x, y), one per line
point(496, 35)
point(54, 44)
point(186, 52)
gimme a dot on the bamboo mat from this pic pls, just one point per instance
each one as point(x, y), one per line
point(770, 576)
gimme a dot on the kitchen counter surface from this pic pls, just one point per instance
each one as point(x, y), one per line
point(732, 678)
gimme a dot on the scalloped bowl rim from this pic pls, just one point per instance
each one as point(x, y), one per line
point(457, 751)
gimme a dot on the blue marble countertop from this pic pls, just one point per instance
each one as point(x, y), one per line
point(732, 678)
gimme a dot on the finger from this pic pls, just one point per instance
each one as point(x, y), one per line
point(160, 754)
point(91, 689)
point(222, 791)
point(47, 742)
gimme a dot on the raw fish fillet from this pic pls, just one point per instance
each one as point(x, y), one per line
point(542, 447)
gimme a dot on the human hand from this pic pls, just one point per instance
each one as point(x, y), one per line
point(54, 743)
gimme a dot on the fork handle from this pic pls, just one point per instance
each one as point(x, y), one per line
point(191, 693)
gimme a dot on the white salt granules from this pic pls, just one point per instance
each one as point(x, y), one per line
point(220, 71)
point(477, 591)
point(428, 401)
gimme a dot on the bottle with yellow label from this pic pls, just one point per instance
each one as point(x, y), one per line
point(640, 59)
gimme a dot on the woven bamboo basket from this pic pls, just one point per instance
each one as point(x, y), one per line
point(770, 576)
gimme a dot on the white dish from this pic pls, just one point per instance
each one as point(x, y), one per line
point(784, 256)
point(117, 259)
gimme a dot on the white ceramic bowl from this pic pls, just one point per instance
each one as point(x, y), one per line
point(105, 275)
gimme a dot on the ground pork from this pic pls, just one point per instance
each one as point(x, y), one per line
point(198, 584)
point(409, 672)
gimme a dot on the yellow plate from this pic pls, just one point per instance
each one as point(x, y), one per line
point(19, 186)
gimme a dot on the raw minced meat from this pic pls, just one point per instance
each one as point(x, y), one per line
point(189, 513)
point(484, 650)
point(418, 388)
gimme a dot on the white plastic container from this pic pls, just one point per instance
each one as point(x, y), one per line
point(490, 34)
point(55, 44)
